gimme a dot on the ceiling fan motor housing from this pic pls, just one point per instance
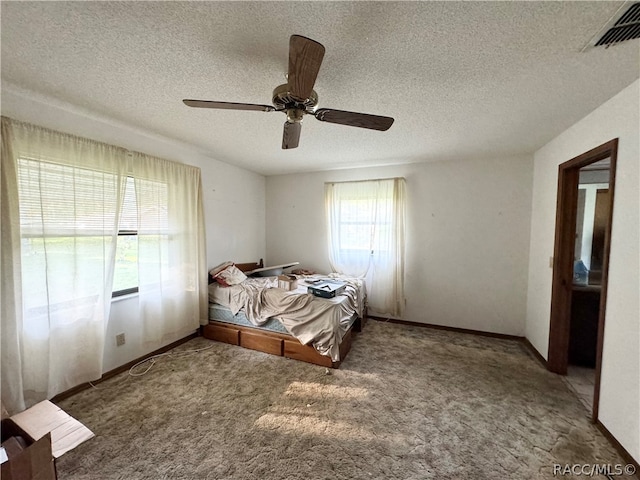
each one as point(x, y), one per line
point(283, 100)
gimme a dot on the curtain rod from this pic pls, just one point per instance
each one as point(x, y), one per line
point(368, 180)
point(126, 151)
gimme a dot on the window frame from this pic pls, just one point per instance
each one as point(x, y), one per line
point(126, 291)
point(124, 233)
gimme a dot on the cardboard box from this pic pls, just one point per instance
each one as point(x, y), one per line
point(45, 417)
point(31, 462)
point(287, 282)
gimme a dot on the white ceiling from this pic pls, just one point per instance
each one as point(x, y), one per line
point(461, 79)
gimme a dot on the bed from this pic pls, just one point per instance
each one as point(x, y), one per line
point(256, 314)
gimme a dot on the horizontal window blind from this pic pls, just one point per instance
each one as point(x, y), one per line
point(61, 200)
point(129, 212)
point(153, 207)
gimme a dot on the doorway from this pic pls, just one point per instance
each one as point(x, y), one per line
point(573, 293)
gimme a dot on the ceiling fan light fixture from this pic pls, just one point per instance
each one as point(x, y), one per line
point(295, 115)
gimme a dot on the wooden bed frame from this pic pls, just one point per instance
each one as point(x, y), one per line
point(273, 342)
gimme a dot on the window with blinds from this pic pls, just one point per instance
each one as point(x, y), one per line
point(65, 201)
point(143, 233)
point(66, 213)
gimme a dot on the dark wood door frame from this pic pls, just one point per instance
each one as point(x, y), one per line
point(563, 258)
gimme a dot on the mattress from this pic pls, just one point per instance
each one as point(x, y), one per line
point(220, 313)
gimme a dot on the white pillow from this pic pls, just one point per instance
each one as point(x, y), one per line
point(230, 275)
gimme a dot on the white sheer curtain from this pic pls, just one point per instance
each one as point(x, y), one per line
point(366, 231)
point(172, 271)
point(58, 285)
point(11, 287)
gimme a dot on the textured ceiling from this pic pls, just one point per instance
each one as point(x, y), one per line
point(462, 79)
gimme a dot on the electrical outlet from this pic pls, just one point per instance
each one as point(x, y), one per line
point(119, 339)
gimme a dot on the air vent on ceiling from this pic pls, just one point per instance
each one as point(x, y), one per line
point(627, 27)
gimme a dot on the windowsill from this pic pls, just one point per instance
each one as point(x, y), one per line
point(124, 297)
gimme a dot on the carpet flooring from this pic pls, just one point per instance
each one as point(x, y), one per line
point(407, 403)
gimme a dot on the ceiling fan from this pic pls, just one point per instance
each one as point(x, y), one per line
point(297, 98)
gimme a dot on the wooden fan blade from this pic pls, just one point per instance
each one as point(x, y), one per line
point(228, 105)
point(291, 135)
point(305, 58)
point(362, 120)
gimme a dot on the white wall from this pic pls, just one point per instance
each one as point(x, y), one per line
point(233, 200)
point(620, 383)
point(467, 236)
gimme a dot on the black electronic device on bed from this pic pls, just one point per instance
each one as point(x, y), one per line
point(327, 289)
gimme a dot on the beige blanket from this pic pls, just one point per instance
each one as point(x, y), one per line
point(312, 320)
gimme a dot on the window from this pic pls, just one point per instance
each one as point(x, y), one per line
point(142, 233)
point(365, 222)
point(67, 207)
point(66, 214)
point(125, 274)
point(363, 225)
